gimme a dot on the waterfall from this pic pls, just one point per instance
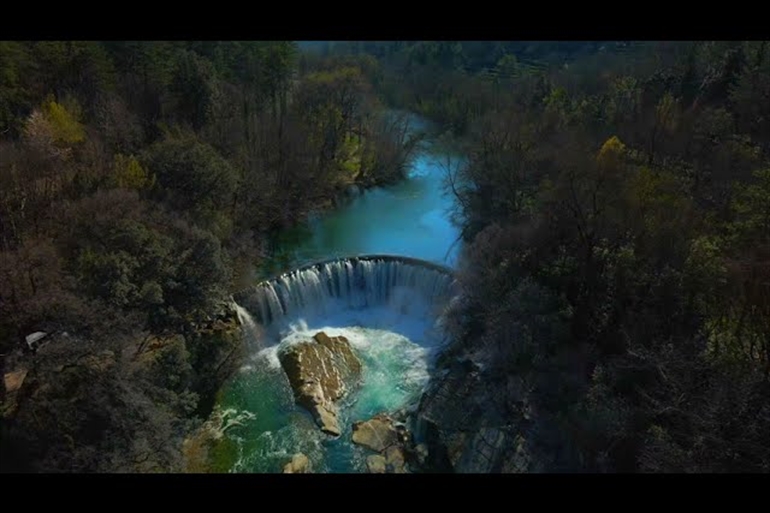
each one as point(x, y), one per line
point(359, 282)
point(251, 331)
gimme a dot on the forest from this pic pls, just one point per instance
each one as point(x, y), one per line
point(140, 183)
point(614, 209)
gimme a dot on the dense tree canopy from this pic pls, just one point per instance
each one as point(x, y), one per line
point(134, 176)
point(614, 204)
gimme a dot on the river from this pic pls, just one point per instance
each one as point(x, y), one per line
point(411, 218)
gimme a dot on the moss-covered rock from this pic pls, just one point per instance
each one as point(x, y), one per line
point(208, 449)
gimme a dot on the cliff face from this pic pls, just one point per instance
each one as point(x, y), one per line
point(475, 423)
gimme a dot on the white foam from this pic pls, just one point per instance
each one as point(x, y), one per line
point(270, 354)
point(316, 292)
point(252, 332)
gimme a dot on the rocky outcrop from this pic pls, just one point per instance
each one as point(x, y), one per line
point(12, 383)
point(207, 449)
point(376, 434)
point(395, 459)
point(14, 380)
point(376, 464)
point(299, 464)
point(320, 373)
point(473, 424)
point(391, 439)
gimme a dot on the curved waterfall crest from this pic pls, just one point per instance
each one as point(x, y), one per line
point(353, 282)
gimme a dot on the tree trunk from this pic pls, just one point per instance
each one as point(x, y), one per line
point(2, 376)
point(651, 155)
point(32, 283)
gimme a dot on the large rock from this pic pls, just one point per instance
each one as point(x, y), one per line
point(376, 434)
point(326, 418)
point(14, 380)
point(394, 459)
point(299, 464)
point(390, 438)
point(469, 425)
point(340, 348)
point(320, 373)
point(376, 464)
point(12, 383)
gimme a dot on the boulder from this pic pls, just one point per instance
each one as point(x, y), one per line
point(394, 459)
point(320, 373)
point(14, 380)
point(299, 464)
point(9, 399)
point(326, 418)
point(376, 434)
point(421, 453)
point(391, 439)
point(376, 464)
point(348, 362)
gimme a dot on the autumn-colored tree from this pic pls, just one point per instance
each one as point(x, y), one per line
point(129, 173)
point(54, 128)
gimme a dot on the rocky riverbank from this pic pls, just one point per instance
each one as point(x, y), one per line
point(468, 428)
point(323, 370)
point(391, 440)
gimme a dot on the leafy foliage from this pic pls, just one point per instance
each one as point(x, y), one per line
point(129, 173)
point(132, 174)
point(615, 209)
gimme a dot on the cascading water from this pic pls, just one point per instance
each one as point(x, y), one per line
point(387, 307)
point(251, 332)
point(355, 283)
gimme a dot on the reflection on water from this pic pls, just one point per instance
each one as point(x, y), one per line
point(411, 218)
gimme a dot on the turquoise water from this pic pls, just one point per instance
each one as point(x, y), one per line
point(394, 371)
point(411, 218)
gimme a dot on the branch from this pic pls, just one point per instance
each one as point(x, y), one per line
point(451, 180)
point(577, 212)
point(457, 239)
